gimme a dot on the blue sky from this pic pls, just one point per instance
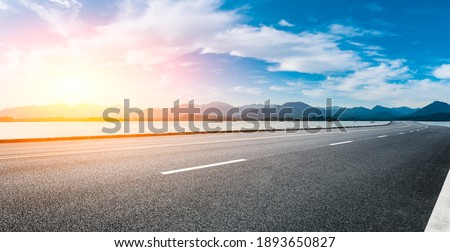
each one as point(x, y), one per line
point(360, 53)
point(416, 32)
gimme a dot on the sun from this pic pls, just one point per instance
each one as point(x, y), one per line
point(73, 86)
point(78, 85)
point(73, 90)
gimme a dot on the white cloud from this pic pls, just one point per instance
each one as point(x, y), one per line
point(370, 76)
point(153, 35)
point(356, 44)
point(154, 32)
point(279, 88)
point(285, 23)
point(305, 52)
point(146, 34)
point(67, 3)
point(140, 54)
point(6, 7)
point(62, 18)
point(3, 6)
point(247, 90)
point(350, 31)
point(367, 78)
point(374, 54)
point(177, 23)
point(344, 30)
point(373, 48)
point(386, 83)
point(374, 7)
point(159, 31)
point(442, 72)
point(290, 86)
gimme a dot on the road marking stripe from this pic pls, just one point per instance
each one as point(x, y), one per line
point(382, 136)
point(412, 131)
point(346, 142)
point(203, 166)
point(401, 133)
point(440, 217)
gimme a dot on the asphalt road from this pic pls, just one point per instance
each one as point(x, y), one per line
point(369, 179)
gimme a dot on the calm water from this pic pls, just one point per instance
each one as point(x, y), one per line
point(445, 124)
point(21, 130)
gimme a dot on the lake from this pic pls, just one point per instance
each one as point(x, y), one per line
point(444, 124)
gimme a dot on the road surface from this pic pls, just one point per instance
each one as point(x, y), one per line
point(370, 179)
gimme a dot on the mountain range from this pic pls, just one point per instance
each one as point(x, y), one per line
point(436, 111)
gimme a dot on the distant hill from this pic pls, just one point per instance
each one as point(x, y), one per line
point(381, 109)
point(433, 108)
point(436, 111)
point(356, 113)
point(298, 108)
point(393, 111)
point(404, 110)
point(223, 107)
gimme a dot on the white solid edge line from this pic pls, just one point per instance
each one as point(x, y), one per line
point(346, 142)
point(47, 154)
point(202, 166)
point(382, 136)
point(440, 217)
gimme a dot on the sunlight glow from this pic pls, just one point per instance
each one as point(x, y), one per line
point(72, 90)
